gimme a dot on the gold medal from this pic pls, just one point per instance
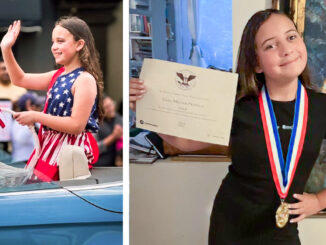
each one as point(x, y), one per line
point(282, 215)
point(283, 170)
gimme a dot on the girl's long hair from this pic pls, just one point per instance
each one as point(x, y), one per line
point(88, 55)
point(250, 82)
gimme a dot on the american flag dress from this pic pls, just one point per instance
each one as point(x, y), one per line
point(60, 102)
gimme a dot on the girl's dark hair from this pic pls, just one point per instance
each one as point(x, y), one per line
point(250, 82)
point(88, 55)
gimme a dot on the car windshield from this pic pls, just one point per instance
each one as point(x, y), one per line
point(13, 178)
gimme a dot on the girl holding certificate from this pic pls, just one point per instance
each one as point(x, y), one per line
point(278, 126)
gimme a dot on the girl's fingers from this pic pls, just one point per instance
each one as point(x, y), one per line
point(136, 80)
point(135, 98)
point(299, 197)
point(297, 219)
point(296, 211)
point(16, 28)
point(132, 98)
point(18, 25)
point(137, 91)
point(133, 90)
point(296, 205)
point(132, 106)
point(14, 25)
point(137, 85)
point(133, 79)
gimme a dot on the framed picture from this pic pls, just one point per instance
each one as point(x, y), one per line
point(295, 8)
point(314, 33)
point(310, 19)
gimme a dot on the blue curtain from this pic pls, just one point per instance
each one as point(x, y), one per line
point(205, 30)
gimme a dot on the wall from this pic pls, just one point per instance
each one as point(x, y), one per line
point(312, 231)
point(171, 201)
point(242, 11)
point(113, 84)
point(33, 50)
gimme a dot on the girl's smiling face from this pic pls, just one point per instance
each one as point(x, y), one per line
point(281, 52)
point(64, 47)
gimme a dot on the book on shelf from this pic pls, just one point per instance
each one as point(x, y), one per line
point(139, 4)
point(140, 25)
point(136, 156)
point(201, 158)
point(138, 142)
point(145, 48)
point(144, 54)
point(144, 148)
point(145, 25)
point(142, 6)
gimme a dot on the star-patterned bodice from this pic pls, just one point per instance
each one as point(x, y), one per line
point(60, 99)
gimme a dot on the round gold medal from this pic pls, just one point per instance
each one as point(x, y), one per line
point(282, 215)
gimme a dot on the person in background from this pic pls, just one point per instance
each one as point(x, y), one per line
point(8, 91)
point(21, 136)
point(109, 136)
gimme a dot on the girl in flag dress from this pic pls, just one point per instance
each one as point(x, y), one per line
point(72, 104)
point(278, 125)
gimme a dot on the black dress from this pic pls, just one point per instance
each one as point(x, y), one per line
point(245, 205)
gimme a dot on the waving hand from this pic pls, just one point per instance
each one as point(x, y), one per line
point(11, 36)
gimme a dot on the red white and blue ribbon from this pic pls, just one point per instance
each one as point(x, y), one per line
point(283, 173)
point(2, 124)
point(7, 110)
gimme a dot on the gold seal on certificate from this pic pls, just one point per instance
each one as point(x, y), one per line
point(187, 101)
point(282, 215)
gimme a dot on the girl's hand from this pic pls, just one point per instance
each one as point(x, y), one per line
point(11, 36)
point(308, 205)
point(26, 117)
point(137, 90)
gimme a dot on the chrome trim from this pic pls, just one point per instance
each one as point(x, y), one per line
point(61, 189)
point(93, 187)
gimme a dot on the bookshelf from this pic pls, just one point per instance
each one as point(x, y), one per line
point(149, 32)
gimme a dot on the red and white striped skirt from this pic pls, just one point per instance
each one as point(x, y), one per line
point(51, 143)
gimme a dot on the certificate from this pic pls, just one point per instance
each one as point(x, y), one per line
point(187, 101)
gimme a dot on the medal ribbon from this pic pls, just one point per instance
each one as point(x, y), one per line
point(283, 173)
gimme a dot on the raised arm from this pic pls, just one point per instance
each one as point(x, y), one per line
point(137, 90)
point(184, 144)
point(17, 75)
point(84, 91)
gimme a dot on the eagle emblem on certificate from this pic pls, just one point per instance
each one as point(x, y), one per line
point(185, 79)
